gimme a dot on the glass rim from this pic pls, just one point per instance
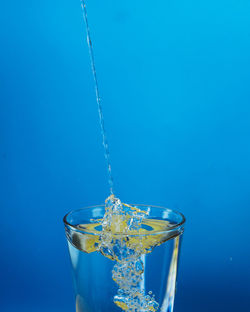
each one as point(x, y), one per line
point(177, 226)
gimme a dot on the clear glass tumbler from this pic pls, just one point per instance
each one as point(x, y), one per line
point(144, 281)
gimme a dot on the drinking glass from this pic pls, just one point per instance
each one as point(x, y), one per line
point(160, 239)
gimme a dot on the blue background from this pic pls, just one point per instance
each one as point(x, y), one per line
point(174, 79)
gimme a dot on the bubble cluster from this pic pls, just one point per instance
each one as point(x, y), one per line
point(128, 275)
point(119, 220)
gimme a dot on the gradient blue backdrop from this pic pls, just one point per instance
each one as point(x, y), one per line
point(174, 78)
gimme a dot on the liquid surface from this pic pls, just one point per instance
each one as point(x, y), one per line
point(89, 239)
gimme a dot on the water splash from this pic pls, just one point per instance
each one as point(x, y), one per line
point(127, 251)
point(98, 99)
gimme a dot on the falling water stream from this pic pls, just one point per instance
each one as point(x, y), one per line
point(98, 98)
